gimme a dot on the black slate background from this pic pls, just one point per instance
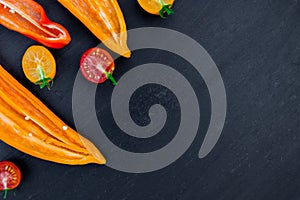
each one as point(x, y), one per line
point(256, 46)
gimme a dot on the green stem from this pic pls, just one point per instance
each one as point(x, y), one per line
point(111, 78)
point(44, 81)
point(165, 9)
point(5, 193)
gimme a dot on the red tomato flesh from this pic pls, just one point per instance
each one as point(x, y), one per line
point(97, 65)
point(10, 176)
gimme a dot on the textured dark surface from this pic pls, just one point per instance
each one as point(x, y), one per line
point(256, 46)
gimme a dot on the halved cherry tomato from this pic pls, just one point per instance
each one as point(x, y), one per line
point(97, 65)
point(10, 176)
point(39, 66)
point(157, 7)
point(29, 18)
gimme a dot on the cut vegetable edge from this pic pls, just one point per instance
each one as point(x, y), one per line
point(119, 48)
point(56, 42)
point(94, 155)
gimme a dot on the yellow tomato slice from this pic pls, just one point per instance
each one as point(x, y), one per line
point(39, 65)
point(157, 7)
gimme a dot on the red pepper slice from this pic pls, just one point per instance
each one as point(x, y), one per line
point(29, 18)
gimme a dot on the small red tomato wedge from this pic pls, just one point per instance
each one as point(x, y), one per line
point(10, 176)
point(97, 65)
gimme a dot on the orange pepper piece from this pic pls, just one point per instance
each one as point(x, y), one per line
point(104, 19)
point(29, 126)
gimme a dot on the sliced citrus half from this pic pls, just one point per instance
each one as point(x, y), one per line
point(39, 66)
point(157, 7)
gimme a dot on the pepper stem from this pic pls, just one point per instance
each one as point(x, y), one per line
point(44, 81)
point(5, 193)
point(111, 78)
point(166, 9)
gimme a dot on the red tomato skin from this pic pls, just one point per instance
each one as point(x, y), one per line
point(100, 55)
point(5, 167)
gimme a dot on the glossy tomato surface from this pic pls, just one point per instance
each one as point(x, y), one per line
point(10, 175)
point(96, 64)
